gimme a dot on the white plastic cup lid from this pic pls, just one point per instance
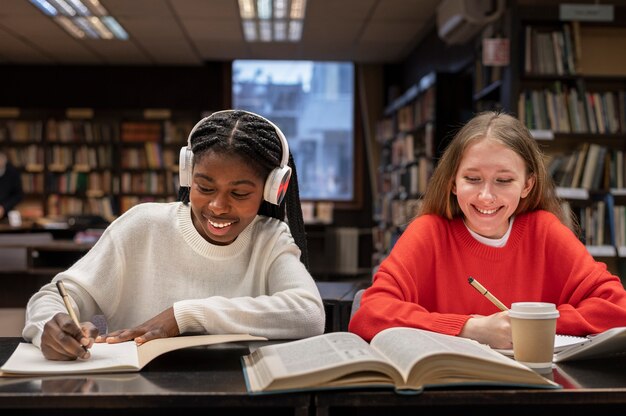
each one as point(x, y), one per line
point(533, 310)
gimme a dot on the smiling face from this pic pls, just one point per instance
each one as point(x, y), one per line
point(225, 196)
point(489, 183)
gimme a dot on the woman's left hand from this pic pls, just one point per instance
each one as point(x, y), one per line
point(161, 326)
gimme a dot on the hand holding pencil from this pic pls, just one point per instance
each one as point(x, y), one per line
point(493, 330)
point(487, 294)
point(64, 338)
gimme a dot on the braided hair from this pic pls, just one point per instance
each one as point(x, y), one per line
point(256, 141)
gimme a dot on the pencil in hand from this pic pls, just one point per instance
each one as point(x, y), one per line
point(68, 305)
point(481, 289)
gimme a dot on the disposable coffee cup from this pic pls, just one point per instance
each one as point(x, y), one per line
point(533, 325)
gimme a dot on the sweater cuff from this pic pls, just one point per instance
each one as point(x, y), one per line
point(450, 324)
point(189, 317)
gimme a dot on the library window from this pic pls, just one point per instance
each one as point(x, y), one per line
point(313, 104)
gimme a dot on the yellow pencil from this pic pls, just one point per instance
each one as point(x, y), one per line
point(68, 305)
point(487, 294)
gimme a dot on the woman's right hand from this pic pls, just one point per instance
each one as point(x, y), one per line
point(62, 340)
point(493, 330)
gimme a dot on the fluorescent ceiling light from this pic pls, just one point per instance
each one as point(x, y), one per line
point(70, 27)
point(280, 9)
point(249, 30)
point(246, 9)
point(264, 9)
point(115, 27)
point(82, 18)
point(295, 30)
point(45, 7)
point(297, 9)
point(280, 31)
point(79, 7)
point(276, 20)
point(102, 30)
point(63, 7)
point(96, 8)
point(265, 31)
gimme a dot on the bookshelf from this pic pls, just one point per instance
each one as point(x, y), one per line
point(96, 163)
point(487, 79)
point(411, 136)
point(572, 96)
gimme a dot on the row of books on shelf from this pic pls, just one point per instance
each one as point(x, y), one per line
point(177, 132)
point(89, 131)
point(594, 225)
point(383, 240)
point(391, 212)
point(77, 131)
point(63, 205)
point(149, 157)
point(603, 227)
point(33, 158)
point(21, 131)
point(149, 183)
point(80, 158)
point(32, 183)
point(552, 51)
point(58, 205)
point(418, 110)
point(409, 147)
point(409, 180)
point(92, 183)
point(98, 184)
point(573, 110)
point(29, 158)
point(590, 166)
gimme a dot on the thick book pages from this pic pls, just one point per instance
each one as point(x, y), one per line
point(405, 359)
point(27, 359)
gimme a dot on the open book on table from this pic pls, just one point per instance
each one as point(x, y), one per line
point(570, 348)
point(27, 359)
point(405, 359)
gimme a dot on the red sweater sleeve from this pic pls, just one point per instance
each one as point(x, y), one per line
point(590, 298)
point(400, 295)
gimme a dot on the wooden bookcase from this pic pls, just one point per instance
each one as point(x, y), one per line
point(94, 163)
point(411, 136)
point(567, 82)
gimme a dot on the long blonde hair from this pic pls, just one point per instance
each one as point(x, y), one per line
point(509, 131)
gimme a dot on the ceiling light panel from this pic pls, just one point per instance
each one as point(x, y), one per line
point(272, 20)
point(82, 18)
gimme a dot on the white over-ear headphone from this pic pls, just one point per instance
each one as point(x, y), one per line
point(277, 181)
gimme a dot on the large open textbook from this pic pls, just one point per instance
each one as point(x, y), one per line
point(405, 359)
point(27, 359)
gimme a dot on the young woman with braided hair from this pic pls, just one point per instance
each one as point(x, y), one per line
point(220, 260)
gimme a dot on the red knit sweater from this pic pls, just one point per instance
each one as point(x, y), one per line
point(423, 282)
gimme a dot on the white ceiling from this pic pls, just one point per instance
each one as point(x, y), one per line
point(190, 32)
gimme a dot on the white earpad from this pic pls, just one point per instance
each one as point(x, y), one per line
point(185, 161)
point(276, 185)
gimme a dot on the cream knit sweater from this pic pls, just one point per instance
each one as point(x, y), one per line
point(152, 257)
